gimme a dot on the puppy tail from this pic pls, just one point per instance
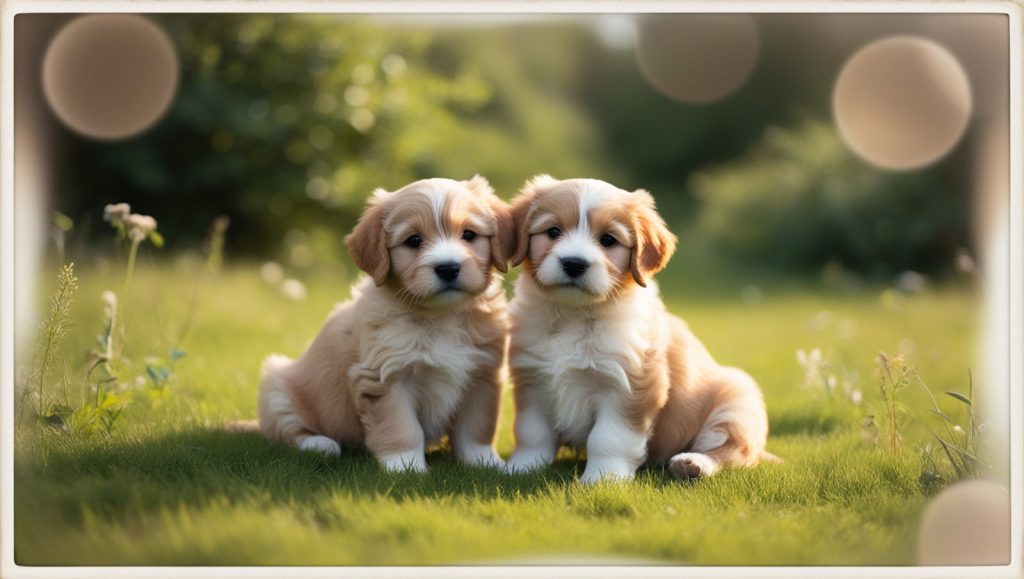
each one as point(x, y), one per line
point(242, 425)
point(772, 458)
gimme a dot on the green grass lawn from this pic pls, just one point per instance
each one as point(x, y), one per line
point(169, 486)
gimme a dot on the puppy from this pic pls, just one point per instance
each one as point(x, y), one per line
point(597, 360)
point(417, 352)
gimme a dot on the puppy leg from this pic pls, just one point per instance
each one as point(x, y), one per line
point(393, 431)
point(614, 448)
point(536, 442)
point(734, 432)
point(472, 434)
point(280, 416)
point(317, 443)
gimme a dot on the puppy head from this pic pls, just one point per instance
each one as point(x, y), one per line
point(585, 241)
point(434, 241)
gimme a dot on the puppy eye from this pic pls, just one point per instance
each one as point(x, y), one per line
point(414, 241)
point(468, 235)
point(607, 240)
point(554, 233)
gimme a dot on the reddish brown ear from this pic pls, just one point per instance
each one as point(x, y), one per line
point(367, 244)
point(503, 240)
point(655, 244)
point(520, 212)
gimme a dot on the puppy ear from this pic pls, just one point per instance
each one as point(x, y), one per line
point(520, 212)
point(655, 244)
point(503, 243)
point(503, 240)
point(367, 244)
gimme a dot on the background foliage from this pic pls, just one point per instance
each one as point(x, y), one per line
point(286, 123)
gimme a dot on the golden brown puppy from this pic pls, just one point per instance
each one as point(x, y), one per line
point(597, 361)
point(416, 353)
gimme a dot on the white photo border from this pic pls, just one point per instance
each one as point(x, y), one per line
point(11, 8)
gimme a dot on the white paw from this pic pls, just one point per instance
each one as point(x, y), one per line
point(480, 455)
point(609, 470)
point(404, 462)
point(692, 465)
point(320, 444)
point(527, 461)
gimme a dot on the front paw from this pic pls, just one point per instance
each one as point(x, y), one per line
point(404, 462)
point(614, 471)
point(522, 462)
point(484, 456)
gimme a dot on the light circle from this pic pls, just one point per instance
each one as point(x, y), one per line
point(697, 58)
point(110, 76)
point(902, 102)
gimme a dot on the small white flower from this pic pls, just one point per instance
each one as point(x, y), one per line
point(856, 397)
point(831, 382)
point(140, 226)
point(271, 272)
point(109, 301)
point(116, 213)
point(294, 289)
point(964, 261)
point(140, 382)
point(958, 430)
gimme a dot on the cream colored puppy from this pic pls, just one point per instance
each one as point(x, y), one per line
point(597, 361)
point(416, 353)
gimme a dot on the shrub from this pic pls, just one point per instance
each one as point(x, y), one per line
point(801, 199)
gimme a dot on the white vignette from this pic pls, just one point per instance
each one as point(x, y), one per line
point(1013, 304)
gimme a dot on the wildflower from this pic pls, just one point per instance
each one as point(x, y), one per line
point(271, 272)
point(294, 289)
point(109, 302)
point(140, 226)
point(856, 397)
point(116, 213)
point(831, 383)
point(964, 261)
point(911, 282)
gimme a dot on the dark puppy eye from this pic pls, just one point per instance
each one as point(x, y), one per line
point(554, 233)
point(607, 240)
point(414, 241)
point(468, 235)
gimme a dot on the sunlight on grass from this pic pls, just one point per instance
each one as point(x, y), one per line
point(167, 486)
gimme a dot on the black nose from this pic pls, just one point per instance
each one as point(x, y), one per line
point(574, 266)
point(447, 271)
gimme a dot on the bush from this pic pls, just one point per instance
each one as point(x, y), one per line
point(800, 199)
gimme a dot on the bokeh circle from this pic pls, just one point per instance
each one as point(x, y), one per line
point(697, 58)
point(902, 102)
point(968, 523)
point(110, 76)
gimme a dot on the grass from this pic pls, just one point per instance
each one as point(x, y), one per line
point(168, 486)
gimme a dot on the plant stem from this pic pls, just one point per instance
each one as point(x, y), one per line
point(131, 268)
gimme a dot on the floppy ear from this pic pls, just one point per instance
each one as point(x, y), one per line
point(520, 212)
point(655, 244)
point(367, 244)
point(503, 240)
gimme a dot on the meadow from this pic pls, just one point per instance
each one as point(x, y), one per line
point(164, 483)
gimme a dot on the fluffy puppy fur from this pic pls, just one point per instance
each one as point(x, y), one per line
point(597, 360)
point(417, 352)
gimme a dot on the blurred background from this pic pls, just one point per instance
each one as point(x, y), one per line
point(851, 145)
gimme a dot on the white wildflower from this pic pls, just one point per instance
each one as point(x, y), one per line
point(856, 397)
point(140, 226)
point(964, 261)
point(294, 289)
point(116, 213)
point(831, 383)
point(109, 303)
point(271, 272)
